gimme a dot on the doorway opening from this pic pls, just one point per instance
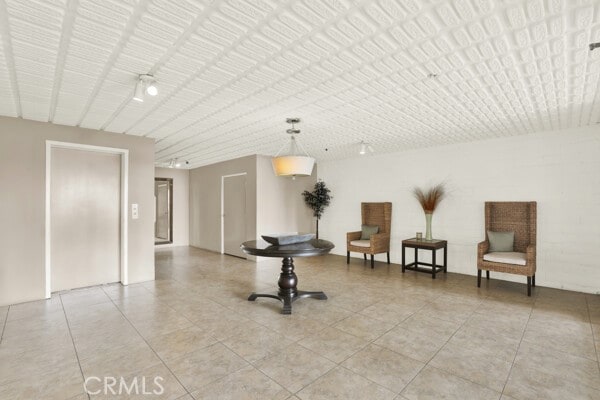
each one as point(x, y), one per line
point(163, 206)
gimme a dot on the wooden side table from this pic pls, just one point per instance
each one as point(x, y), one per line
point(425, 244)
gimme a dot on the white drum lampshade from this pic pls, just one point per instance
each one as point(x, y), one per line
point(293, 165)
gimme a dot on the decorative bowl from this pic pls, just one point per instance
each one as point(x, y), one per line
point(280, 239)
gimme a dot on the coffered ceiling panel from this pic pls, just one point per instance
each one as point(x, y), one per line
point(397, 74)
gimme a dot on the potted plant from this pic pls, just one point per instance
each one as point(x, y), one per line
point(317, 200)
point(429, 201)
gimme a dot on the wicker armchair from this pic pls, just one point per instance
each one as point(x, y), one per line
point(517, 217)
point(379, 214)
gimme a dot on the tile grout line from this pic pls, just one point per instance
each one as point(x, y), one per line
point(73, 343)
point(497, 299)
point(195, 325)
point(4, 324)
point(253, 366)
point(427, 364)
point(371, 342)
point(352, 313)
point(148, 344)
point(337, 364)
point(239, 369)
point(591, 326)
point(519, 346)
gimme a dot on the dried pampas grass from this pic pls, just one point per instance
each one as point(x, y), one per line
point(431, 198)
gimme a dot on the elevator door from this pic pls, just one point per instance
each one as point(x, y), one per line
point(85, 195)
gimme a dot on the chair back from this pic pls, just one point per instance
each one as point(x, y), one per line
point(519, 217)
point(379, 214)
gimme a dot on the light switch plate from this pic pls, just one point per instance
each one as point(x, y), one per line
point(134, 211)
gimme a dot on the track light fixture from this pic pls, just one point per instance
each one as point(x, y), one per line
point(138, 95)
point(176, 163)
point(364, 147)
point(146, 84)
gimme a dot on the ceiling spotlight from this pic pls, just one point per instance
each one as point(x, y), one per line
point(175, 163)
point(364, 147)
point(152, 89)
point(594, 45)
point(145, 84)
point(139, 91)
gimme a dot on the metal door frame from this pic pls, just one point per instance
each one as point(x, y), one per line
point(169, 182)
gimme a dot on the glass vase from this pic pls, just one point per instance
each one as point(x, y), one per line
point(428, 235)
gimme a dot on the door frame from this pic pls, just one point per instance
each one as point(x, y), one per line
point(223, 207)
point(124, 240)
point(169, 182)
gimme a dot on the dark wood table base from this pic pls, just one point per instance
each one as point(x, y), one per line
point(432, 245)
point(288, 292)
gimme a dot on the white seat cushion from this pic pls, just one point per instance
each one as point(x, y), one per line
point(361, 243)
point(506, 257)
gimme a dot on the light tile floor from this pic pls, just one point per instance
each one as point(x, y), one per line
point(381, 335)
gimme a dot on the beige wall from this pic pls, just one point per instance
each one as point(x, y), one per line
point(181, 204)
point(205, 201)
point(280, 205)
point(273, 204)
point(22, 200)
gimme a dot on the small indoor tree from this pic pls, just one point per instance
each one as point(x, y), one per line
point(317, 200)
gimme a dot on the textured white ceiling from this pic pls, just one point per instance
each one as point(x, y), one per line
point(231, 71)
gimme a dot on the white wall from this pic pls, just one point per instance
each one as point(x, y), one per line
point(559, 170)
point(22, 200)
point(181, 204)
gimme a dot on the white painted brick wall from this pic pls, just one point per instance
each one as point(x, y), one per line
point(559, 170)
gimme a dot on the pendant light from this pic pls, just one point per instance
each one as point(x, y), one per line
point(293, 164)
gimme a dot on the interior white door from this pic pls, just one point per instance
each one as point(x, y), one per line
point(85, 195)
point(234, 214)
